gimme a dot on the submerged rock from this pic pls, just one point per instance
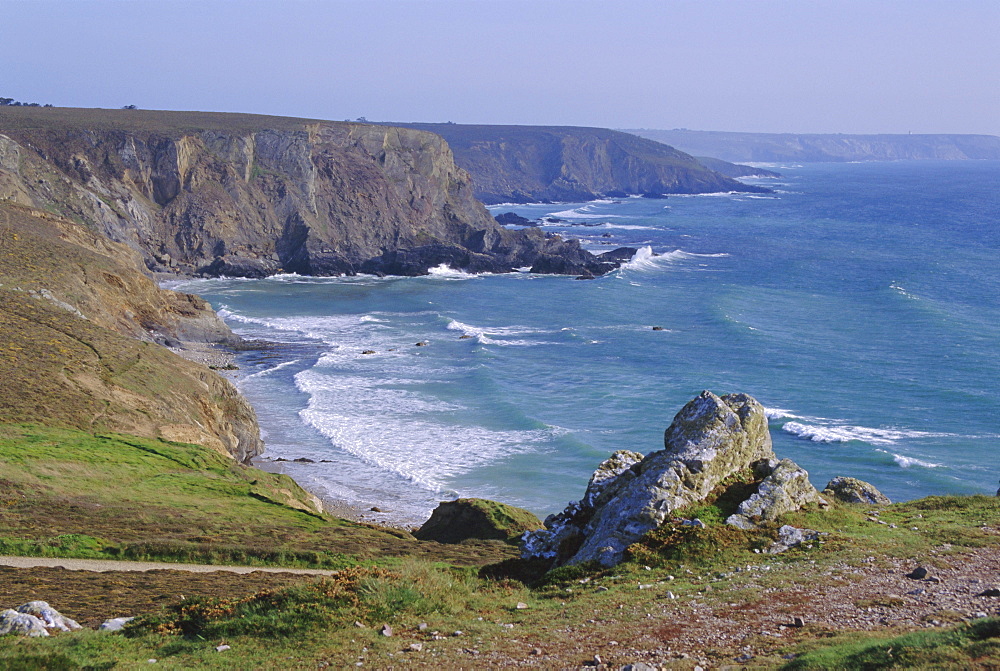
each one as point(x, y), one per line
point(712, 440)
point(852, 490)
point(462, 519)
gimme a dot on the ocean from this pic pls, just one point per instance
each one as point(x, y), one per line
point(858, 303)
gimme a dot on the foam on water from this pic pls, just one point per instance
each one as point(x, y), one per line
point(269, 371)
point(646, 259)
point(907, 462)
point(482, 335)
point(446, 272)
point(404, 432)
point(843, 433)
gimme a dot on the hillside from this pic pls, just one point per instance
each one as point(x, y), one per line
point(246, 195)
point(568, 163)
point(778, 147)
point(81, 330)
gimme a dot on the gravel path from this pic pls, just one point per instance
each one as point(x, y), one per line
point(104, 565)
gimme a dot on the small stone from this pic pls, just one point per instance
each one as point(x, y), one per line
point(416, 647)
point(375, 509)
point(798, 622)
point(369, 351)
point(386, 630)
point(115, 623)
point(933, 578)
point(359, 625)
point(422, 626)
point(421, 344)
point(602, 588)
point(222, 648)
point(657, 328)
point(457, 633)
point(918, 573)
point(521, 605)
point(993, 591)
point(536, 651)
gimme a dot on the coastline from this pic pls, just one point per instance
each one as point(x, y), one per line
point(337, 507)
point(222, 359)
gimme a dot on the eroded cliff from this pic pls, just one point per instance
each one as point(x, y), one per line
point(80, 334)
point(250, 195)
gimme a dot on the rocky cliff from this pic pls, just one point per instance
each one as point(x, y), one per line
point(777, 147)
point(81, 329)
point(566, 163)
point(250, 196)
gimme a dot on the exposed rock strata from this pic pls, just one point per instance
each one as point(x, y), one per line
point(712, 442)
point(242, 195)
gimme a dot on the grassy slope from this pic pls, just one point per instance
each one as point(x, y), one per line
point(173, 500)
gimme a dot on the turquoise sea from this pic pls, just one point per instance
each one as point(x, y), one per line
point(859, 303)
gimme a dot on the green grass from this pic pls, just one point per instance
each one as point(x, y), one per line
point(968, 646)
point(183, 502)
point(176, 502)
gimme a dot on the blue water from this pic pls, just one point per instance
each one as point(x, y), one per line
point(859, 304)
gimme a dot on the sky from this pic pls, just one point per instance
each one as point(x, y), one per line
point(800, 66)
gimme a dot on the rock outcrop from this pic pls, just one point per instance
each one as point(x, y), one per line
point(462, 519)
point(852, 490)
point(713, 442)
point(250, 196)
point(569, 163)
point(35, 618)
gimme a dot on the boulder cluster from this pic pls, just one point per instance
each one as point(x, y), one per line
point(715, 445)
point(34, 618)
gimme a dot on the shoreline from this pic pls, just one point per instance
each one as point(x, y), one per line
point(338, 507)
point(222, 359)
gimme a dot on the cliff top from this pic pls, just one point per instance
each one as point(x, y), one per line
point(172, 123)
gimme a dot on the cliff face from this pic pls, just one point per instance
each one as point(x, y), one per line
point(564, 163)
point(79, 323)
point(248, 195)
point(776, 147)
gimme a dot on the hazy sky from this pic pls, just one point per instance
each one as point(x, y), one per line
point(766, 65)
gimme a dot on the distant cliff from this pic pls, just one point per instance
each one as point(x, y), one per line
point(249, 195)
point(777, 147)
point(568, 163)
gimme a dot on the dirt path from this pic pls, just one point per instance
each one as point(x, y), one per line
point(105, 565)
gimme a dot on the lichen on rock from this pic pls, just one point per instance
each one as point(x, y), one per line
point(852, 490)
point(712, 441)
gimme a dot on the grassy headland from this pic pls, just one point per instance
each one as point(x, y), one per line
point(685, 596)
